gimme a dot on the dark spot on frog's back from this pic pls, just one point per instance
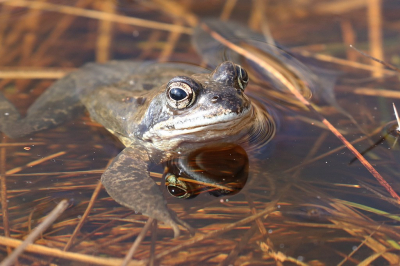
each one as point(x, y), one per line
point(140, 100)
point(147, 86)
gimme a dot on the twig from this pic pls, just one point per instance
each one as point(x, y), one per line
point(3, 188)
point(170, 45)
point(239, 247)
point(176, 10)
point(376, 59)
point(17, 144)
point(259, 221)
point(397, 117)
point(375, 32)
point(57, 31)
point(86, 259)
point(36, 162)
point(50, 218)
point(104, 36)
point(349, 37)
point(376, 92)
point(345, 62)
point(153, 244)
point(34, 73)
point(227, 10)
point(137, 242)
point(84, 216)
point(356, 249)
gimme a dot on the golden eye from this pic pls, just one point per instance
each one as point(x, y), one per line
point(181, 93)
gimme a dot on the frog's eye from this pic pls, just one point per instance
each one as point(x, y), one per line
point(178, 188)
point(181, 92)
point(242, 77)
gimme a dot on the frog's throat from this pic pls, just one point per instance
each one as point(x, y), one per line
point(226, 127)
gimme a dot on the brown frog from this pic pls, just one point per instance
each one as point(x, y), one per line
point(158, 111)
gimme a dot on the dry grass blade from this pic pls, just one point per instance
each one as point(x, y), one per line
point(3, 189)
point(227, 10)
point(36, 162)
point(177, 10)
point(34, 73)
point(300, 97)
point(84, 216)
point(370, 259)
point(170, 45)
point(397, 117)
point(375, 245)
point(53, 252)
point(104, 36)
point(319, 157)
point(345, 62)
point(50, 218)
point(87, 172)
point(375, 32)
point(153, 243)
point(279, 256)
point(21, 144)
point(337, 7)
point(98, 15)
point(376, 59)
point(239, 247)
point(354, 251)
point(376, 92)
point(59, 29)
point(137, 242)
point(270, 208)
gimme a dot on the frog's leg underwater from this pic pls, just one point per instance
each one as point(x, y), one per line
point(57, 105)
point(128, 182)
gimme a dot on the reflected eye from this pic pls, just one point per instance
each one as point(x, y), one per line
point(177, 192)
point(242, 77)
point(177, 188)
point(180, 94)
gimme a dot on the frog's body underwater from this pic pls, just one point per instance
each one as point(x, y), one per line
point(157, 111)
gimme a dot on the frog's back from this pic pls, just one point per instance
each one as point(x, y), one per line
point(120, 105)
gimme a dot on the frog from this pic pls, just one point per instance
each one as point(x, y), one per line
point(158, 111)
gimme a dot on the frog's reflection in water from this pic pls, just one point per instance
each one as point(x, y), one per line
point(219, 170)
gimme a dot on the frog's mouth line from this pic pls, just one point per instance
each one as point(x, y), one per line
point(215, 127)
point(209, 122)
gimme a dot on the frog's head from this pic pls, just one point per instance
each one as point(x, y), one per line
point(198, 109)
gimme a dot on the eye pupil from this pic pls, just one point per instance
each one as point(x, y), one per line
point(177, 94)
point(176, 191)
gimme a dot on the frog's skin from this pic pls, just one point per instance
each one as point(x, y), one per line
point(130, 99)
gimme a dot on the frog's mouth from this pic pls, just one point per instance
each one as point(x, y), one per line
point(202, 127)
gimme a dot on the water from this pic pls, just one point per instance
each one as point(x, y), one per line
point(327, 209)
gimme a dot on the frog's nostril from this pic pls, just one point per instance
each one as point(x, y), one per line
point(214, 99)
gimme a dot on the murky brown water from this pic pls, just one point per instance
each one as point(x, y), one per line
point(329, 211)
